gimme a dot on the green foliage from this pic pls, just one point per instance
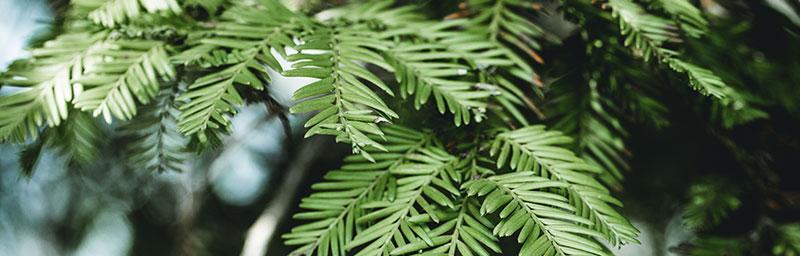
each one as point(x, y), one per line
point(509, 21)
point(439, 77)
point(239, 50)
point(650, 34)
point(334, 209)
point(718, 246)
point(689, 17)
point(113, 12)
point(709, 202)
point(211, 98)
point(47, 85)
point(788, 243)
point(449, 65)
point(581, 112)
point(80, 138)
point(116, 75)
point(534, 149)
point(418, 197)
point(349, 109)
point(547, 224)
point(427, 67)
point(174, 76)
point(468, 232)
point(153, 141)
point(397, 224)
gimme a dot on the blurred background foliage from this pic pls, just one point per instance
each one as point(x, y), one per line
point(731, 189)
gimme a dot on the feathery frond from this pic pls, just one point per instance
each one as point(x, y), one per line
point(424, 188)
point(507, 21)
point(581, 112)
point(47, 79)
point(709, 202)
point(716, 246)
point(458, 57)
point(688, 16)
point(113, 12)
point(426, 70)
point(337, 203)
point(650, 33)
point(480, 54)
point(154, 143)
point(349, 109)
point(546, 223)
point(243, 33)
point(510, 23)
point(120, 73)
point(80, 138)
point(241, 46)
point(701, 79)
point(211, 99)
point(469, 233)
point(534, 149)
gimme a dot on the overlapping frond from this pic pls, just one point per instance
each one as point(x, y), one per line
point(483, 56)
point(581, 112)
point(379, 11)
point(649, 34)
point(403, 192)
point(534, 149)
point(239, 50)
point(709, 202)
point(212, 99)
point(545, 222)
point(337, 203)
point(47, 81)
point(450, 52)
point(121, 73)
point(243, 33)
point(510, 24)
point(397, 224)
point(469, 233)
point(688, 16)
point(464, 59)
point(110, 13)
point(426, 70)
point(715, 246)
point(80, 138)
point(475, 48)
point(153, 141)
point(509, 21)
point(701, 79)
point(644, 31)
point(349, 108)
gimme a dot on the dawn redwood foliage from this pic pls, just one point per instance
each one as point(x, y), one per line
point(463, 132)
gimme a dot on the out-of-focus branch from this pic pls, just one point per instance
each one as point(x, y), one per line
point(264, 228)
